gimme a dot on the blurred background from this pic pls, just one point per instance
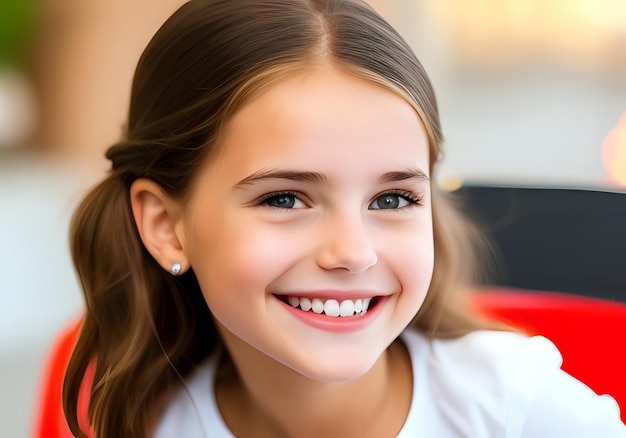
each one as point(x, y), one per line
point(532, 97)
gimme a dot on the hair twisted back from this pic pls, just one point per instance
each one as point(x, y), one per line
point(142, 325)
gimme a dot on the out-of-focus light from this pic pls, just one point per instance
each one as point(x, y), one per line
point(451, 184)
point(17, 109)
point(588, 34)
point(614, 152)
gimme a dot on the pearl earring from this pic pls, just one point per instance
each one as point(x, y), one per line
point(175, 268)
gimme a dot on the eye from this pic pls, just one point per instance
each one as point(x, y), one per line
point(394, 201)
point(284, 200)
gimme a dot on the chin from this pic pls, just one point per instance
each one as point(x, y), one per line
point(342, 369)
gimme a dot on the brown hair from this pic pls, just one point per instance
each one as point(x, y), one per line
point(145, 327)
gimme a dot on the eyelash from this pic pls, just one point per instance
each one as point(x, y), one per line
point(410, 197)
point(263, 199)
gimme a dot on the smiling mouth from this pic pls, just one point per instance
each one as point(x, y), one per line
point(331, 307)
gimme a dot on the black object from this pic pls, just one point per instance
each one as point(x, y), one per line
point(555, 239)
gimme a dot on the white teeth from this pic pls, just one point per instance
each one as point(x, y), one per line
point(346, 308)
point(317, 305)
point(305, 304)
point(331, 307)
point(366, 304)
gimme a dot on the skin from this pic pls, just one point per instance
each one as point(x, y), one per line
point(253, 239)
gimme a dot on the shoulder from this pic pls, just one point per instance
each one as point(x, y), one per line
point(498, 351)
point(564, 406)
point(191, 410)
point(180, 414)
point(490, 360)
point(508, 384)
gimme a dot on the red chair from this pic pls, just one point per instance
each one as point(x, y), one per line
point(50, 420)
point(588, 332)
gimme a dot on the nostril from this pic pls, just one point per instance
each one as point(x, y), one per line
point(348, 258)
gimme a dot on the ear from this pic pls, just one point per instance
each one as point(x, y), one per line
point(156, 216)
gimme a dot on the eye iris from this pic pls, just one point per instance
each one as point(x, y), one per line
point(282, 201)
point(388, 202)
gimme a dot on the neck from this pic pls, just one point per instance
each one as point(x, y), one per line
point(261, 397)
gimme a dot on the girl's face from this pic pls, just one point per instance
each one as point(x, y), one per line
point(317, 206)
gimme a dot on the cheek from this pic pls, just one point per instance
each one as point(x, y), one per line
point(236, 264)
point(412, 260)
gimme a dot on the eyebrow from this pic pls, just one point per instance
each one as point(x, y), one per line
point(403, 175)
point(293, 175)
point(316, 177)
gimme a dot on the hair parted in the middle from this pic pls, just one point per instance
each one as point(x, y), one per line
point(145, 327)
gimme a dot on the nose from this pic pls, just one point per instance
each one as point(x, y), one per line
point(346, 245)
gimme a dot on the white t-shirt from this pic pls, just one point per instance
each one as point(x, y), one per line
point(482, 385)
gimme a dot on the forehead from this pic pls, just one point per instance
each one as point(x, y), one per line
point(324, 120)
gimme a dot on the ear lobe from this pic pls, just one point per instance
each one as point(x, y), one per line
point(156, 215)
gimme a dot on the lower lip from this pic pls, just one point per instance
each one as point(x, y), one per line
point(339, 324)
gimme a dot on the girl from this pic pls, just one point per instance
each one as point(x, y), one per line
point(268, 232)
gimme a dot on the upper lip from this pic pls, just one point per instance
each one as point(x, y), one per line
point(332, 294)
